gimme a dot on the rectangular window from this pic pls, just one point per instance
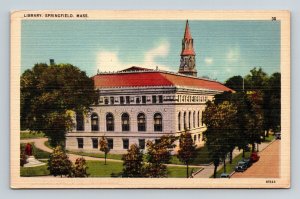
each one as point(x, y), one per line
point(127, 100)
point(121, 100)
point(160, 99)
point(153, 99)
point(110, 143)
point(142, 143)
point(199, 136)
point(105, 100)
point(138, 100)
point(195, 137)
point(125, 143)
point(80, 143)
point(101, 100)
point(112, 100)
point(95, 143)
point(144, 99)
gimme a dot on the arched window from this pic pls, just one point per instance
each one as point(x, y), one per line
point(184, 120)
point(190, 120)
point(125, 122)
point(194, 119)
point(157, 122)
point(141, 119)
point(95, 122)
point(179, 118)
point(79, 122)
point(110, 126)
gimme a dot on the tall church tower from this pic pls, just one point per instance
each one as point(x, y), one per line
point(187, 61)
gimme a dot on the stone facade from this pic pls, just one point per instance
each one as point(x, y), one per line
point(180, 109)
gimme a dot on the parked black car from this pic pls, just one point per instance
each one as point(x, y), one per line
point(225, 175)
point(248, 162)
point(278, 136)
point(241, 166)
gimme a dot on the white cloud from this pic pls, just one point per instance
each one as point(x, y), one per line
point(109, 60)
point(208, 60)
point(233, 54)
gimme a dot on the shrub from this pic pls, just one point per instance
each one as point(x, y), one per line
point(79, 170)
point(59, 163)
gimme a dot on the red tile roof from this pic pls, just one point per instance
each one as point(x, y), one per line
point(187, 32)
point(154, 78)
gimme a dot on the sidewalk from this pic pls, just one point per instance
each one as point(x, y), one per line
point(209, 170)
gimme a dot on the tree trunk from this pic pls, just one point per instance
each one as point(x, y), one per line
point(267, 133)
point(224, 162)
point(243, 153)
point(105, 159)
point(230, 157)
point(187, 170)
point(215, 171)
point(253, 147)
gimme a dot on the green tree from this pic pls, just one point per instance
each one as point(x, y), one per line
point(49, 94)
point(256, 80)
point(59, 163)
point(133, 162)
point(158, 154)
point(236, 83)
point(272, 103)
point(221, 123)
point(104, 147)
point(187, 150)
point(79, 169)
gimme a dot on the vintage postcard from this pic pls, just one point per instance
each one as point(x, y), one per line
point(150, 99)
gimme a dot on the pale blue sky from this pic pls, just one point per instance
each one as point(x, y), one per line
point(223, 48)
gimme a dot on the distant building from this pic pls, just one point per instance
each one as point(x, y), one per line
point(139, 104)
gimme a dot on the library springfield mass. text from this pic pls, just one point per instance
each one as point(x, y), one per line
point(139, 104)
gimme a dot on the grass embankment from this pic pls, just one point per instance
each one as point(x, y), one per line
point(231, 167)
point(36, 152)
point(30, 135)
point(34, 171)
point(270, 138)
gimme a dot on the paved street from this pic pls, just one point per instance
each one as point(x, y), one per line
point(209, 170)
point(268, 165)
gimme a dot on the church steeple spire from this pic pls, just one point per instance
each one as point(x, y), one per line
point(187, 61)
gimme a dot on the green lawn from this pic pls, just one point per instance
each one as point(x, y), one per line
point(98, 169)
point(47, 144)
point(114, 169)
point(29, 135)
point(202, 157)
point(34, 171)
point(270, 138)
point(98, 155)
point(38, 153)
point(231, 167)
